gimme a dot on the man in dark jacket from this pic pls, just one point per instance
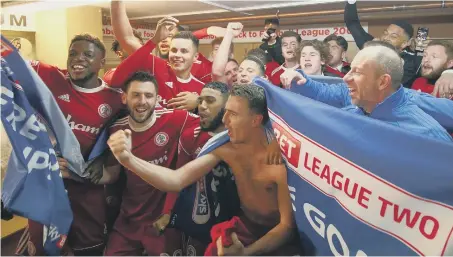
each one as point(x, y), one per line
point(398, 33)
point(272, 44)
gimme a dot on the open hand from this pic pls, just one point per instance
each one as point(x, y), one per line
point(184, 101)
point(164, 28)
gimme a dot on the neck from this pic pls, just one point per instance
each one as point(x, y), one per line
point(369, 106)
point(183, 74)
point(290, 63)
point(141, 126)
point(256, 141)
point(90, 83)
point(335, 65)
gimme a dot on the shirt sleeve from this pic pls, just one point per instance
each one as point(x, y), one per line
point(201, 33)
point(140, 60)
point(332, 94)
point(351, 18)
point(441, 109)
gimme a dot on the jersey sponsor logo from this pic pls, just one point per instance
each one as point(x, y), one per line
point(81, 127)
point(64, 97)
point(160, 160)
point(161, 139)
point(193, 115)
point(169, 84)
point(104, 110)
point(201, 211)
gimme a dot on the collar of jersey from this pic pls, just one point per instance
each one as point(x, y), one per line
point(185, 80)
point(146, 127)
point(89, 90)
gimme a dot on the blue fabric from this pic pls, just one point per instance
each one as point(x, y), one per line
point(397, 174)
point(33, 187)
point(416, 112)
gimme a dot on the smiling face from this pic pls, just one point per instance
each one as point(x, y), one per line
point(84, 61)
point(396, 36)
point(310, 61)
point(231, 73)
point(140, 99)
point(182, 54)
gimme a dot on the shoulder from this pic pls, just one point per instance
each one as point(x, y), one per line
point(119, 124)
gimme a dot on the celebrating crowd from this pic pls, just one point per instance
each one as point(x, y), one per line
point(166, 102)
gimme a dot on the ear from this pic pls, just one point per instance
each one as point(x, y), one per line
point(450, 64)
point(385, 82)
point(124, 98)
point(257, 120)
point(343, 55)
point(102, 62)
point(195, 57)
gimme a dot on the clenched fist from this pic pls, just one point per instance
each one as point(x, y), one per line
point(235, 28)
point(120, 144)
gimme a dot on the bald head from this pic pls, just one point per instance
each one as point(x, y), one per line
point(386, 60)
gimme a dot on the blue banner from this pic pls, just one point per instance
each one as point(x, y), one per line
point(33, 187)
point(361, 186)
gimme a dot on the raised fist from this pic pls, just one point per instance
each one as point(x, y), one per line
point(120, 144)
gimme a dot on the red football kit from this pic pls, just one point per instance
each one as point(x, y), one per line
point(86, 111)
point(142, 204)
point(108, 76)
point(169, 85)
point(273, 73)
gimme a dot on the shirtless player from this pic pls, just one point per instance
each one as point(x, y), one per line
point(245, 114)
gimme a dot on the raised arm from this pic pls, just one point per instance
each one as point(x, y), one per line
point(281, 233)
point(332, 94)
point(122, 27)
point(161, 178)
point(351, 18)
point(221, 58)
point(212, 30)
point(142, 59)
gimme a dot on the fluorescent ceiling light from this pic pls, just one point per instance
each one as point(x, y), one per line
point(45, 5)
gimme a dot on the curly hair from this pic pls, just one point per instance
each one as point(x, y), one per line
point(319, 46)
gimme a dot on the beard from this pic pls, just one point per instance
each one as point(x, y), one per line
point(215, 123)
point(82, 80)
point(434, 74)
point(163, 56)
point(131, 114)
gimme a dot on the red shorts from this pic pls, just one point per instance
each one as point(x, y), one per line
point(135, 238)
point(88, 227)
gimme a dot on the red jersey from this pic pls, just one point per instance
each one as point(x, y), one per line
point(86, 110)
point(158, 144)
point(423, 85)
point(334, 72)
point(202, 69)
point(274, 75)
point(169, 85)
point(108, 76)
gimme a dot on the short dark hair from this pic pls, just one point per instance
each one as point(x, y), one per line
point(232, 60)
point(319, 46)
point(188, 35)
point(339, 39)
point(446, 44)
point(89, 38)
point(219, 86)
point(141, 76)
point(380, 43)
point(272, 21)
point(291, 34)
point(255, 97)
point(258, 56)
point(116, 44)
point(407, 27)
point(218, 41)
point(180, 28)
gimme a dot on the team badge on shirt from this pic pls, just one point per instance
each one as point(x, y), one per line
point(161, 139)
point(104, 110)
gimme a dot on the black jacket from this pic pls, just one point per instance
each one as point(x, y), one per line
point(273, 52)
point(412, 60)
